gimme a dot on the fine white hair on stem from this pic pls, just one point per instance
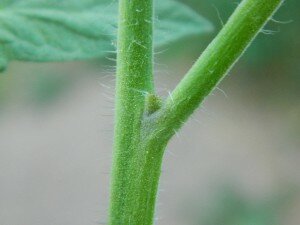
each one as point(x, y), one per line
point(281, 22)
point(171, 153)
point(104, 86)
point(268, 32)
point(218, 14)
point(196, 120)
point(170, 95)
point(161, 51)
point(108, 97)
point(176, 132)
point(139, 44)
point(111, 51)
point(111, 59)
point(143, 92)
point(222, 91)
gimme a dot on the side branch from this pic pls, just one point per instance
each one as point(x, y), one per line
point(214, 63)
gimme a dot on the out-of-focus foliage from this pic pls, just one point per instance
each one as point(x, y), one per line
point(230, 207)
point(38, 87)
point(3, 90)
point(54, 30)
point(47, 87)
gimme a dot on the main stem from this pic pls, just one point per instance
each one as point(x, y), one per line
point(136, 162)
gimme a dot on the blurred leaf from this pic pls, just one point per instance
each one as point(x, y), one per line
point(176, 21)
point(233, 208)
point(46, 88)
point(56, 30)
point(4, 83)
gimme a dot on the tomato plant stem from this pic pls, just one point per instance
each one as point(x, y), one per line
point(136, 165)
point(143, 124)
point(215, 62)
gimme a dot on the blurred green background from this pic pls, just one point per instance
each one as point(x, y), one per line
point(236, 162)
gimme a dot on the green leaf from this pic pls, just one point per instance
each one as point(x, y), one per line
point(56, 30)
point(175, 21)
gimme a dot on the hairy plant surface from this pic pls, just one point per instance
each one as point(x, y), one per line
point(144, 124)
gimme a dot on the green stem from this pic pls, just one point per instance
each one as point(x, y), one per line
point(242, 27)
point(144, 125)
point(136, 163)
